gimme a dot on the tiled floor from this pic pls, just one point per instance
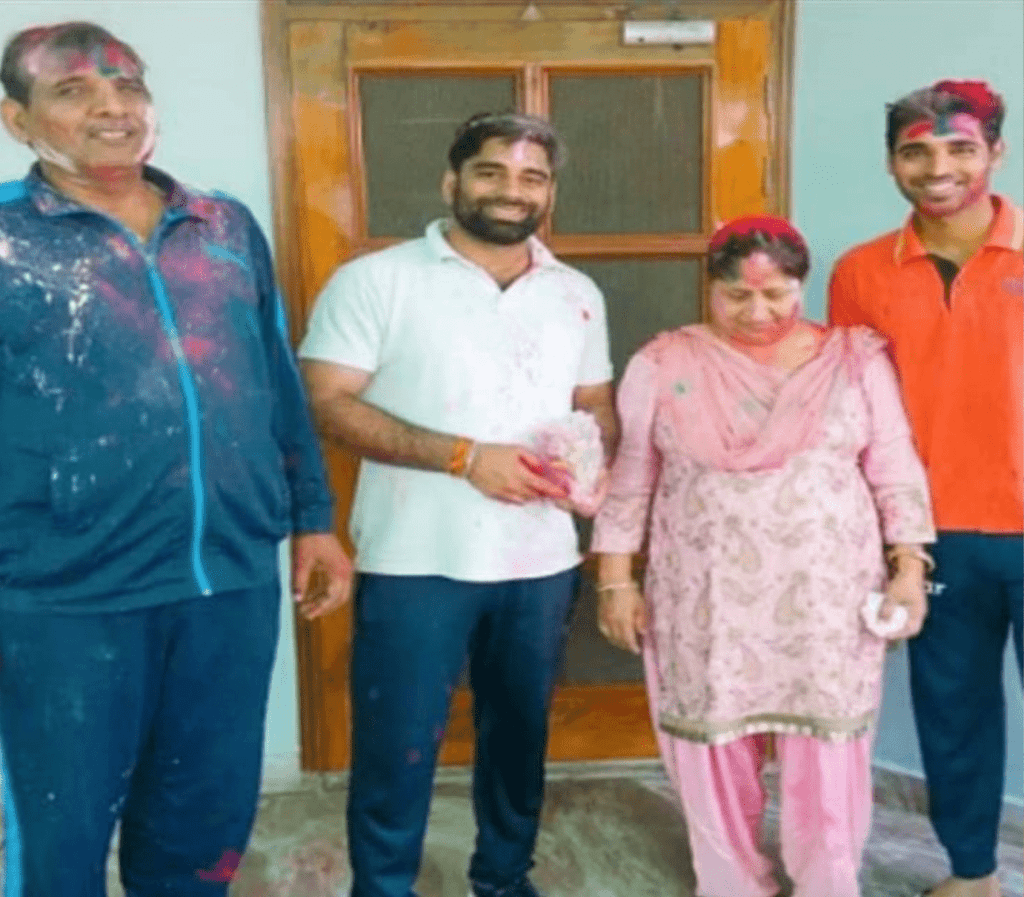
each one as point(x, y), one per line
point(606, 832)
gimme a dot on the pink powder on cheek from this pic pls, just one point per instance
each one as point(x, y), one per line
point(724, 320)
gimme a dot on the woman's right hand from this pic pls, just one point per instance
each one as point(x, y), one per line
point(622, 616)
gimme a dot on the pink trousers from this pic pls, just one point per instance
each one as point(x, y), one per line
point(825, 792)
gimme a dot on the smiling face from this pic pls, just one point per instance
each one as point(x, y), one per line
point(944, 166)
point(88, 115)
point(759, 306)
point(501, 194)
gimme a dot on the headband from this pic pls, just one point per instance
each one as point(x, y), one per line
point(770, 225)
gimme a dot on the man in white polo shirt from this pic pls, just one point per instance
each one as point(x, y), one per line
point(437, 360)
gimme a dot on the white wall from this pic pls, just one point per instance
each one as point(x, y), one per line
point(854, 56)
point(205, 70)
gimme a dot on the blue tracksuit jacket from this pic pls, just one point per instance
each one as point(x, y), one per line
point(154, 439)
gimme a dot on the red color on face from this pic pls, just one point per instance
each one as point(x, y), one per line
point(961, 123)
point(943, 166)
point(918, 129)
point(757, 269)
point(760, 307)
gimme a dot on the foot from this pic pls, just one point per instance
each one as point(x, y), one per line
point(521, 887)
point(967, 887)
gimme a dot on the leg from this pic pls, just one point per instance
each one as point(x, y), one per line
point(1010, 568)
point(723, 801)
point(826, 812)
point(956, 668)
point(514, 660)
point(73, 701)
point(193, 794)
point(409, 648)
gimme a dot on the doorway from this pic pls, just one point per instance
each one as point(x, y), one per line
point(665, 142)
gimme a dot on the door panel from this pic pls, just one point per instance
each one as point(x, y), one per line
point(636, 152)
point(664, 143)
point(407, 122)
point(644, 297)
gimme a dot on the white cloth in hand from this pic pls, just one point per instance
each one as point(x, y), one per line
point(875, 624)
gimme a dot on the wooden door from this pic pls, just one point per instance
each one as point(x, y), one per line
point(665, 142)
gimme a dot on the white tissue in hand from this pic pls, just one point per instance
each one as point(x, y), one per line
point(877, 626)
point(576, 440)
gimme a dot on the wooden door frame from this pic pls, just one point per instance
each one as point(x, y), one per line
point(278, 15)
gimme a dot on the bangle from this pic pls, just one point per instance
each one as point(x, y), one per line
point(893, 554)
point(615, 586)
point(458, 463)
point(470, 458)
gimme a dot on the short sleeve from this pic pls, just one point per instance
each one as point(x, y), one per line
point(595, 363)
point(348, 325)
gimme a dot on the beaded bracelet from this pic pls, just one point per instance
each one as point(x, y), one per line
point(615, 586)
point(470, 458)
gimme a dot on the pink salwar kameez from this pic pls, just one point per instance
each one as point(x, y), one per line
point(764, 497)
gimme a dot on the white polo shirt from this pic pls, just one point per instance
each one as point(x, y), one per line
point(450, 351)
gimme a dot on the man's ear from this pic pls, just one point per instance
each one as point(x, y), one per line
point(448, 187)
point(14, 114)
point(998, 153)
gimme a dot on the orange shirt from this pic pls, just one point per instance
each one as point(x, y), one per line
point(961, 365)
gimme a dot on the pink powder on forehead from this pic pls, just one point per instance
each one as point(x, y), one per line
point(960, 124)
point(757, 269)
point(967, 125)
point(109, 60)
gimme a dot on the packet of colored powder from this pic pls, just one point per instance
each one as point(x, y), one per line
point(574, 440)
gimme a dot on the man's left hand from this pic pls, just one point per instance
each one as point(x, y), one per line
point(321, 553)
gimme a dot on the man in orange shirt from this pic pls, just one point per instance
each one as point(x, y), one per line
point(948, 291)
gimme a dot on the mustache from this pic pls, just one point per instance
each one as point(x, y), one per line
point(506, 204)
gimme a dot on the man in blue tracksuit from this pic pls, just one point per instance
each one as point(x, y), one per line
point(155, 448)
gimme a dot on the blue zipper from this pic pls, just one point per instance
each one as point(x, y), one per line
point(188, 389)
point(190, 395)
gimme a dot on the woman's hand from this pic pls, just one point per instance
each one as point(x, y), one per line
point(906, 589)
point(622, 616)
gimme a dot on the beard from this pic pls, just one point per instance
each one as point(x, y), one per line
point(473, 217)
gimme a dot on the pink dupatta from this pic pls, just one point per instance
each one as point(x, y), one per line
point(732, 413)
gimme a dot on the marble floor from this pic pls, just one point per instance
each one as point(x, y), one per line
point(608, 831)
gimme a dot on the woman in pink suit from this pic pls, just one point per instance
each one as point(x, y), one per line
point(767, 465)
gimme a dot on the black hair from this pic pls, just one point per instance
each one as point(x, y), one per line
point(932, 103)
point(509, 126)
point(790, 256)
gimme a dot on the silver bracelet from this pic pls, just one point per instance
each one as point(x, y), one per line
point(894, 553)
